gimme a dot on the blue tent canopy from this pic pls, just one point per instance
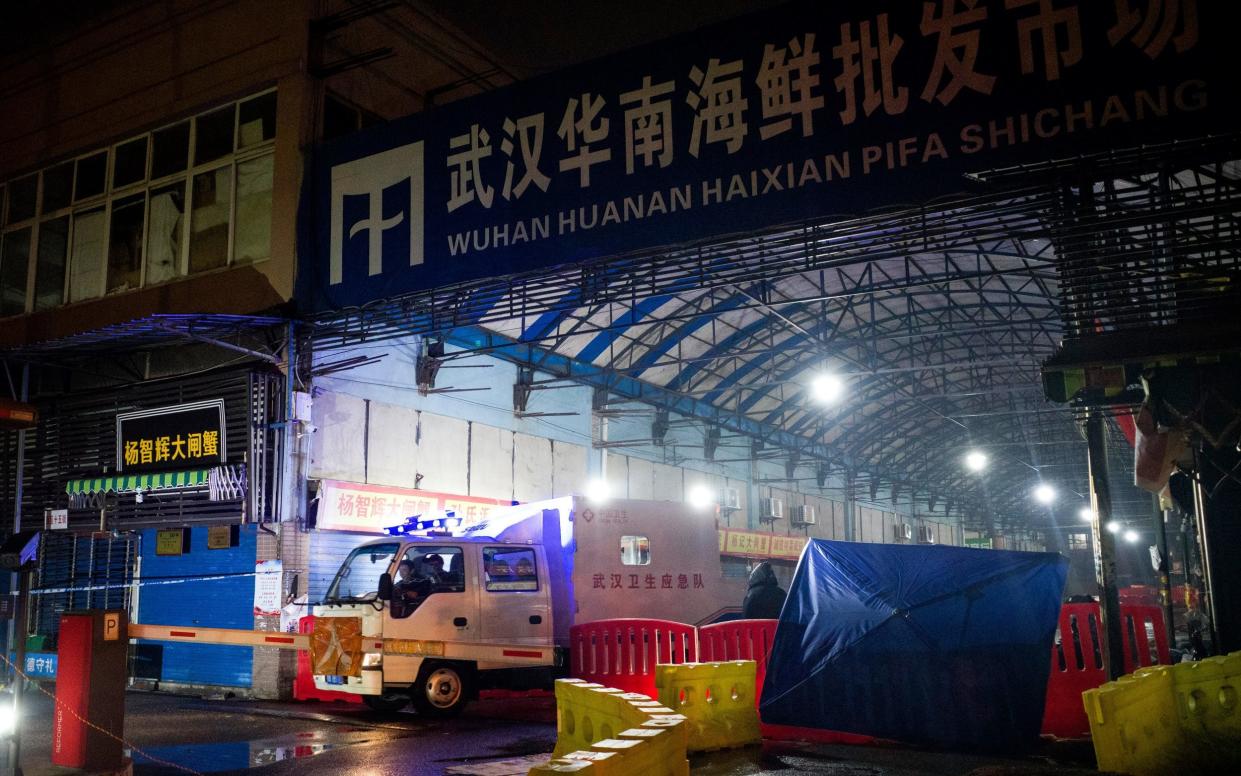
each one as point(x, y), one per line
point(944, 646)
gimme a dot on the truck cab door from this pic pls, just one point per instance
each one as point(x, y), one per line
point(515, 596)
point(430, 606)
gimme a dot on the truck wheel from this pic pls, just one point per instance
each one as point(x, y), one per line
point(442, 689)
point(387, 703)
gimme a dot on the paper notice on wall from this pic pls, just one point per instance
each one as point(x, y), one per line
point(268, 583)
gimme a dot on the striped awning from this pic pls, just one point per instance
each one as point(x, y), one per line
point(131, 482)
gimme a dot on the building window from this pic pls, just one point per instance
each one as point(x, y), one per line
point(1079, 541)
point(14, 260)
point(191, 197)
point(49, 278)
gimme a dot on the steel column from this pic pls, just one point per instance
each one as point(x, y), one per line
point(1204, 557)
point(1165, 582)
point(1105, 545)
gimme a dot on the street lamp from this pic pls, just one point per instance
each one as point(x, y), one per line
point(976, 460)
point(827, 388)
point(1044, 494)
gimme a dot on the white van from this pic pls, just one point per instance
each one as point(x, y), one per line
point(445, 613)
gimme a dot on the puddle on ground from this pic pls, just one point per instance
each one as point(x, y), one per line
point(239, 755)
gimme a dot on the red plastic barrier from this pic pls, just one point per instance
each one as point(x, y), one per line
point(623, 653)
point(752, 640)
point(304, 683)
point(1077, 660)
point(739, 640)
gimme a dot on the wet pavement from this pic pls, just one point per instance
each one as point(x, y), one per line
point(495, 737)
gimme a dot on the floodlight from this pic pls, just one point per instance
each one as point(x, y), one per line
point(827, 388)
point(1044, 493)
point(700, 497)
point(976, 460)
point(598, 490)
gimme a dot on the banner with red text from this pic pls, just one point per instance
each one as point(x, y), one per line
point(354, 506)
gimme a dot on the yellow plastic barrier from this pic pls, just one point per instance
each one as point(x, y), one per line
point(561, 765)
point(585, 713)
point(1133, 722)
point(1167, 719)
point(1209, 696)
point(716, 698)
point(603, 731)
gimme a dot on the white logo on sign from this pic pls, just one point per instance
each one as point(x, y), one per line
point(369, 177)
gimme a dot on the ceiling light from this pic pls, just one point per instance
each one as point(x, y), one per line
point(598, 491)
point(1113, 527)
point(1086, 514)
point(700, 497)
point(1044, 493)
point(976, 460)
point(1131, 536)
point(827, 388)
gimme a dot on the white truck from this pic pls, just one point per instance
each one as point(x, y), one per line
point(444, 613)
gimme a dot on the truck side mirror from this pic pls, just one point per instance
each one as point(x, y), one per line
point(385, 587)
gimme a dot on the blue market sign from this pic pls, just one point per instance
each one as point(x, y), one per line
point(39, 665)
point(808, 111)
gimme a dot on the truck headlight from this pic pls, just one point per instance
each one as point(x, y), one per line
point(372, 660)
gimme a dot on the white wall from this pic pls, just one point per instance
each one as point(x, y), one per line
point(468, 440)
point(364, 440)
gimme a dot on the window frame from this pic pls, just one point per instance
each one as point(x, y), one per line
point(145, 186)
point(642, 543)
point(510, 548)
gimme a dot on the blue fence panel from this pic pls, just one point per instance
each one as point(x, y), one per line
point(217, 603)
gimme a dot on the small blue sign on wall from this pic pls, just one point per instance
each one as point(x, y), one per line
point(807, 111)
point(39, 665)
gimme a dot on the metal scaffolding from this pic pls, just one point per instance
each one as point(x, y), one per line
point(939, 318)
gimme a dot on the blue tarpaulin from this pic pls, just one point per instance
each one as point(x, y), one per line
point(945, 646)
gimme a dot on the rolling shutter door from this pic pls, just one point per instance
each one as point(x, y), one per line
point(328, 550)
point(219, 603)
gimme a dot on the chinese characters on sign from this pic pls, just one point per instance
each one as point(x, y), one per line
point(764, 117)
point(757, 544)
point(172, 541)
point(56, 519)
point(268, 587)
point(648, 581)
point(41, 665)
point(186, 436)
point(350, 506)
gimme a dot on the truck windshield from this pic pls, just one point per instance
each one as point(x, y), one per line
point(358, 578)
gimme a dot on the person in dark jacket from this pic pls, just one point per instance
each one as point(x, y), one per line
point(765, 597)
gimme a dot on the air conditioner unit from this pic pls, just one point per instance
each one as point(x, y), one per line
point(771, 509)
point(730, 498)
point(803, 515)
point(926, 534)
point(902, 532)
